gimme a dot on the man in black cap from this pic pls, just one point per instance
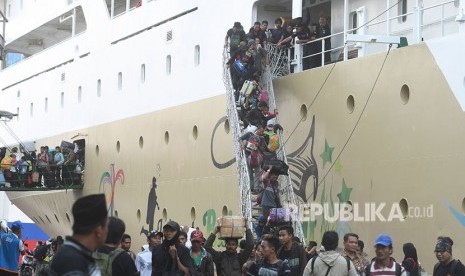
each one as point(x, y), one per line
point(447, 265)
point(170, 257)
point(90, 230)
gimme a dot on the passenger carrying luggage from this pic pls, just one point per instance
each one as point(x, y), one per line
point(231, 227)
point(255, 159)
point(239, 67)
point(280, 215)
point(278, 166)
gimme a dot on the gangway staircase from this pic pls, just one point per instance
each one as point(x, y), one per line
point(277, 67)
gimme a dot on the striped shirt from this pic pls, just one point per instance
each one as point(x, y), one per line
point(389, 270)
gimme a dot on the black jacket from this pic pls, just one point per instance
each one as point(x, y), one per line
point(162, 261)
point(73, 258)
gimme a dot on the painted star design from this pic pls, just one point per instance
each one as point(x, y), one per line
point(327, 154)
point(344, 195)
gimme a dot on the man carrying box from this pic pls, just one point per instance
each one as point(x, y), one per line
point(229, 262)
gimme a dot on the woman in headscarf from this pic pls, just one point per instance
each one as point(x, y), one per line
point(410, 262)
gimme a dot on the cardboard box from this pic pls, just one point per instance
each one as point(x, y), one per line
point(231, 227)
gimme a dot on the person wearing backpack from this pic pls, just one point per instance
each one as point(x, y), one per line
point(410, 262)
point(329, 262)
point(109, 257)
point(270, 265)
point(383, 264)
point(447, 265)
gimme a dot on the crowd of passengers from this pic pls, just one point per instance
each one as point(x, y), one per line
point(248, 56)
point(99, 246)
point(49, 168)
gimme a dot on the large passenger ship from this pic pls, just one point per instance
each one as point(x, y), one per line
point(139, 86)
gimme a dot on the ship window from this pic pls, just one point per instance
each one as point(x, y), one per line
point(17, 114)
point(353, 22)
point(31, 111)
point(141, 142)
point(120, 81)
point(63, 77)
point(197, 55)
point(142, 73)
point(79, 95)
point(62, 99)
point(99, 88)
point(402, 9)
point(46, 105)
point(167, 137)
point(118, 146)
point(195, 132)
point(9, 10)
point(18, 94)
point(168, 64)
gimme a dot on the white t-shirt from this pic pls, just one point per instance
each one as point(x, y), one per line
point(144, 262)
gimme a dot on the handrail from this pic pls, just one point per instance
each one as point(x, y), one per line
point(242, 168)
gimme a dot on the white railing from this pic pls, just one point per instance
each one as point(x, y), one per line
point(241, 161)
point(417, 27)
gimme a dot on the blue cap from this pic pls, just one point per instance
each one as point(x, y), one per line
point(383, 239)
point(16, 225)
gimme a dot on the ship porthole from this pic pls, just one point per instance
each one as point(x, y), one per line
point(118, 146)
point(138, 215)
point(193, 213)
point(226, 126)
point(141, 142)
point(67, 217)
point(56, 217)
point(97, 150)
point(463, 205)
point(303, 112)
point(116, 213)
point(405, 94)
point(167, 137)
point(164, 214)
point(350, 103)
point(403, 204)
point(195, 132)
point(224, 212)
point(48, 219)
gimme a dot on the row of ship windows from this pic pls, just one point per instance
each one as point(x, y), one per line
point(195, 135)
point(39, 219)
point(99, 84)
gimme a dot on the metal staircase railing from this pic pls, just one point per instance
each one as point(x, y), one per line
point(278, 67)
point(241, 160)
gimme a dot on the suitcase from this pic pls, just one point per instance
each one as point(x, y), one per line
point(247, 88)
point(280, 216)
point(239, 67)
point(231, 227)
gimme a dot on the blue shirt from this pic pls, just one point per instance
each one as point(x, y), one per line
point(10, 246)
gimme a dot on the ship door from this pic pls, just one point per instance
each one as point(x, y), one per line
point(269, 10)
point(313, 9)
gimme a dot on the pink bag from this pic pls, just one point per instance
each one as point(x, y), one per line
point(264, 96)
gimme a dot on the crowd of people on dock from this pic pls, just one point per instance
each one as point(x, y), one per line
point(99, 246)
point(56, 167)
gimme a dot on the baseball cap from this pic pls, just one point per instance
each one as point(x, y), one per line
point(197, 235)
point(154, 233)
point(16, 225)
point(383, 239)
point(173, 225)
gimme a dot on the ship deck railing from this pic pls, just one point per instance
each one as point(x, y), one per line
point(70, 179)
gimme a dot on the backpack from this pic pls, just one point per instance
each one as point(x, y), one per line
point(104, 261)
point(235, 40)
point(329, 267)
point(398, 268)
point(453, 266)
point(255, 159)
